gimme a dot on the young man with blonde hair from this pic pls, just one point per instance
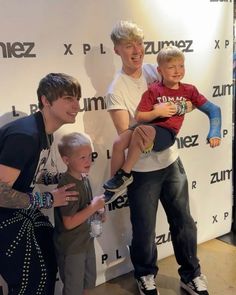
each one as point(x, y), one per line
point(160, 176)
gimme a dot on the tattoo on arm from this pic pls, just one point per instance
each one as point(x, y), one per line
point(10, 198)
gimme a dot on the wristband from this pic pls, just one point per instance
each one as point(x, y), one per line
point(181, 107)
point(40, 200)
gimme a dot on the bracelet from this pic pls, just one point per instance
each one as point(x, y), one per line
point(181, 107)
point(40, 200)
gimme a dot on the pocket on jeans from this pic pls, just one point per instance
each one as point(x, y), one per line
point(181, 167)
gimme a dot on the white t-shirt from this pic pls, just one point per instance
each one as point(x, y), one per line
point(124, 93)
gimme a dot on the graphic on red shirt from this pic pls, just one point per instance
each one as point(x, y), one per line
point(158, 93)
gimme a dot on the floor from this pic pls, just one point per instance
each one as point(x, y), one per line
point(218, 262)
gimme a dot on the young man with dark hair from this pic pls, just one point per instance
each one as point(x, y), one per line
point(28, 263)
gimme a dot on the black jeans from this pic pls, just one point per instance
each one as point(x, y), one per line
point(171, 187)
point(27, 256)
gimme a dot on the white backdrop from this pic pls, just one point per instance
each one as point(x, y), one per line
point(72, 36)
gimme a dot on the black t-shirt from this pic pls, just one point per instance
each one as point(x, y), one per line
point(24, 146)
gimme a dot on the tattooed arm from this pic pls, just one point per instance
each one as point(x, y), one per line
point(10, 198)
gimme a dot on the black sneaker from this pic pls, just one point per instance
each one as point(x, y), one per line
point(147, 285)
point(110, 196)
point(119, 181)
point(198, 286)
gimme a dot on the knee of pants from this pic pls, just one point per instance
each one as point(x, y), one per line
point(183, 225)
point(143, 236)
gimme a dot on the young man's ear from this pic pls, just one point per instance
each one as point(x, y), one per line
point(116, 50)
point(45, 101)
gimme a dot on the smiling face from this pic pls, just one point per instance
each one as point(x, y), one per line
point(79, 161)
point(65, 109)
point(61, 111)
point(172, 72)
point(132, 54)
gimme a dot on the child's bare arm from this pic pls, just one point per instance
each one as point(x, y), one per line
point(81, 216)
point(159, 110)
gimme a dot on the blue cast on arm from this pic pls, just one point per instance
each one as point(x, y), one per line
point(214, 114)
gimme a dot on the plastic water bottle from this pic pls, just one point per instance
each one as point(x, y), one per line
point(96, 224)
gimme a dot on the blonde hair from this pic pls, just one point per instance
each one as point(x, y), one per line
point(168, 53)
point(126, 30)
point(69, 141)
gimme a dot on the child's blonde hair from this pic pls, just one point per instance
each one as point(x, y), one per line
point(168, 53)
point(69, 141)
point(126, 30)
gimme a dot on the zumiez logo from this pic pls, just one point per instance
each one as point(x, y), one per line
point(86, 104)
point(92, 103)
point(17, 50)
point(153, 48)
point(220, 0)
point(222, 90)
point(221, 176)
point(187, 141)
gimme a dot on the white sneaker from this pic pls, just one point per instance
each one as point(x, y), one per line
point(198, 286)
point(147, 285)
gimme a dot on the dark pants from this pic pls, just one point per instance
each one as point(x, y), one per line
point(27, 258)
point(171, 187)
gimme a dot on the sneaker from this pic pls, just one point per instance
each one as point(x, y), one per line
point(147, 285)
point(110, 196)
point(119, 181)
point(148, 149)
point(198, 286)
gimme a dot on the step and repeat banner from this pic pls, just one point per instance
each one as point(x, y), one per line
point(73, 36)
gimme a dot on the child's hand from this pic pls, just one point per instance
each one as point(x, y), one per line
point(214, 142)
point(98, 202)
point(102, 213)
point(165, 109)
point(190, 106)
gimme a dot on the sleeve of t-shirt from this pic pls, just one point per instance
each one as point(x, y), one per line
point(115, 102)
point(17, 150)
point(147, 101)
point(72, 207)
point(197, 98)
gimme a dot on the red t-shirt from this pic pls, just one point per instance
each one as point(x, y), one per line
point(158, 93)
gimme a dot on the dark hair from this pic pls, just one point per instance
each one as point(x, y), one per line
point(56, 85)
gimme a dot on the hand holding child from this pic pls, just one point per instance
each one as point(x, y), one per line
point(64, 194)
point(98, 202)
